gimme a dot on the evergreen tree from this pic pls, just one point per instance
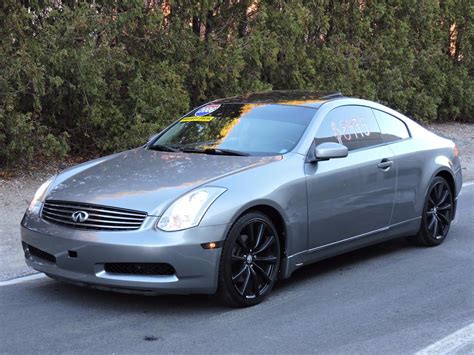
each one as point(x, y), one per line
point(101, 75)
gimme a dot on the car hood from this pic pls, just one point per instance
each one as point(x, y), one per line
point(145, 180)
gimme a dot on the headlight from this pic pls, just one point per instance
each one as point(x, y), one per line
point(188, 210)
point(39, 196)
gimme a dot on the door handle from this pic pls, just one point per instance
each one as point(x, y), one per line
point(385, 164)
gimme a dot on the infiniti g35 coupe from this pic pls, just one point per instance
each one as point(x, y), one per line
point(242, 191)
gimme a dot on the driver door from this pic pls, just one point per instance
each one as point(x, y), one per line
point(353, 196)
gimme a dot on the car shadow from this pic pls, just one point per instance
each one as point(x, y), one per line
point(345, 262)
point(107, 301)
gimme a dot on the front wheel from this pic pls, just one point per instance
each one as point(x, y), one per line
point(437, 213)
point(250, 261)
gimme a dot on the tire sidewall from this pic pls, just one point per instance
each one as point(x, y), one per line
point(424, 232)
point(226, 285)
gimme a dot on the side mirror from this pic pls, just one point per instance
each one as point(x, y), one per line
point(328, 150)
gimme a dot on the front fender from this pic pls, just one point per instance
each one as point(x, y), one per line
point(280, 185)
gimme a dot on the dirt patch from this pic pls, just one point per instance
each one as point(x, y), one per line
point(15, 196)
point(16, 193)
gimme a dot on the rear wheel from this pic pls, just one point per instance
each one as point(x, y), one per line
point(250, 261)
point(437, 213)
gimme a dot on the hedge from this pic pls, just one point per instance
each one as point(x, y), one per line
point(99, 76)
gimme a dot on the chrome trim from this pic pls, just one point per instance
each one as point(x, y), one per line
point(99, 217)
point(97, 208)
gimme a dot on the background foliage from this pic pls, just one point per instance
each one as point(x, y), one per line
point(101, 75)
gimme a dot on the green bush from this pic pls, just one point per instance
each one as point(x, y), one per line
point(101, 76)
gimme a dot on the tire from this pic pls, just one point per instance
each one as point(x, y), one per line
point(250, 261)
point(437, 214)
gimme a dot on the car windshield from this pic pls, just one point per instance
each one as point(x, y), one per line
point(237, 129)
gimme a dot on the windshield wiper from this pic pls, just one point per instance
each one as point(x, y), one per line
point(223, 151)
point(215, 151)
point(163, 148)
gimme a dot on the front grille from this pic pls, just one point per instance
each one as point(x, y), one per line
point(99, 217)
point(40, 254)
point(140, 268)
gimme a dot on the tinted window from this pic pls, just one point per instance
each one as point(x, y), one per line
point(353, 126)
point(258, 129)
point(392, 128)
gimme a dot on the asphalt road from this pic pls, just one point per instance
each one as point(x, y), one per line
point(388, 298)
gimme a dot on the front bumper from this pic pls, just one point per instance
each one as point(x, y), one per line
point(80, 256)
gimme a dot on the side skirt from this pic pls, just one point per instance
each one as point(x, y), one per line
point(290, 263)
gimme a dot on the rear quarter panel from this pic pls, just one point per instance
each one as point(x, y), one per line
point(418, 160)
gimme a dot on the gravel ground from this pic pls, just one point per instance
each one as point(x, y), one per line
point(15, 196)
point(463, 135)
point(16, 193)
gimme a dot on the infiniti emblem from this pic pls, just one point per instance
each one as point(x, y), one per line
point(80, 216)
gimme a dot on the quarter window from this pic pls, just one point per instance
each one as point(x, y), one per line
point(392, 128)
point(353, 126)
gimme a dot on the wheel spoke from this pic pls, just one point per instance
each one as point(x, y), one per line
point(261, 229)
point(241, 271)
point(255, 285)
point(265, 245)
point(443, 198)
point(266, 259)
point(435, 232)
point(443, 218)
point(431, 201)
point(445, 207)
point(246, 283)
point(432, 222)
point(263, 273)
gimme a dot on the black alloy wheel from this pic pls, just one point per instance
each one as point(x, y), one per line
point(250, 261)
point(437, 213)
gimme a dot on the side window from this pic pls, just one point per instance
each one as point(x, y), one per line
point(392, 128)
point(353, 126)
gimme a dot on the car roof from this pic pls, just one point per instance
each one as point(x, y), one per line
point(312, 99)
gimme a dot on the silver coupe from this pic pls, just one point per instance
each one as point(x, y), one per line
point(243, 191)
